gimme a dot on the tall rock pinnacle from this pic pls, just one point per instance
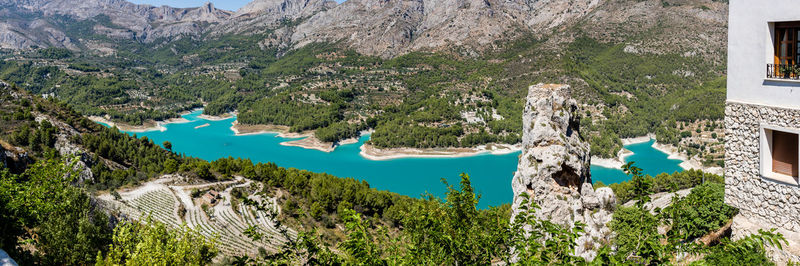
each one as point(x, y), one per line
point(554, 168)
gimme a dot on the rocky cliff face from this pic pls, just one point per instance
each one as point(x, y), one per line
point(25, 23)
point(259, 16)
point(554, 165)
point(388, 28)
point(385, 28)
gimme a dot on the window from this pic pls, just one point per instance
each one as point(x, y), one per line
point(780, 154)
point(786, 51)
point(786, 45)
point(784, 153)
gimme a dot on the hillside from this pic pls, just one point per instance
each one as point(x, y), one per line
point(118, 199)
point(421, 74)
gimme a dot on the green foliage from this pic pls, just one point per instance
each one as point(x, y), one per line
point(700, 212)
point(454, 232)
point(660, 93)
point(147, 157)
point(665, 183)
point(153, 244)
point(637, 237)
point(435, 232)
point(55, 53)
point(36, 136)
point(360, 247)
point(284, 110)
point(396, 134)
point(41, 208)
point(167, 145)
point(746, 251)
point(642, 186)
point(84, 67)
point(339, 130)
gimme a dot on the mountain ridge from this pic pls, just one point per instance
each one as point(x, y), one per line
point(25, 20)
point(373, 27)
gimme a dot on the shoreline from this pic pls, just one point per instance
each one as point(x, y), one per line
point(619, 161)
point(616, 162)
point(686, 163)
point(216, 117)
point(671, 151)
point(307, 141)
point(314, 143)
point(281, 131)
point(637, 140)
point(146, 127)
point(377, 154)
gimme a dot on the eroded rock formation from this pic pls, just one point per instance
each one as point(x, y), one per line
point(554, 168)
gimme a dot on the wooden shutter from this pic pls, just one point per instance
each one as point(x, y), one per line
point(784, 153)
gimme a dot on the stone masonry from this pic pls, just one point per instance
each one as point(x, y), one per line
point(762, 203)
point(553, 168)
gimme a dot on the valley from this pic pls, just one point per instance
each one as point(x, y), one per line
point(411, 96)
point(373, 132)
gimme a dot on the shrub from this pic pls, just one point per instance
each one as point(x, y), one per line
point(700, 212)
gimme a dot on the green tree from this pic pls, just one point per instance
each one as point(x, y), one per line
point(153, 243)
point(360, 247)
point(642, 186)
point(42, 208)
point(167, 145)
point(749, 250)
point(700, 212)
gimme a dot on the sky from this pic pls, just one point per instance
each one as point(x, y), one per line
point(232, 5)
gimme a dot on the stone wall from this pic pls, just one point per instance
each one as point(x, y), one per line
point(762, 203)
point(553, 168)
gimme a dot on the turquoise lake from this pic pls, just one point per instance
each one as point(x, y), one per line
point(490, 174)
point(651, 160)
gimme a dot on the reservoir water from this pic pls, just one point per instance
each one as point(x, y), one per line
point(651, 160)
point(490, 174)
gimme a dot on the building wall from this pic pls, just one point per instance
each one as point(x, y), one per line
point(750, 48)
point(763, 203)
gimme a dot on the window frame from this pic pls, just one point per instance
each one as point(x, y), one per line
point(765, 154)
point(793, 56)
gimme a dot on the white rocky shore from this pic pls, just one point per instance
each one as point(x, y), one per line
point(377, 154)
point(146, 127)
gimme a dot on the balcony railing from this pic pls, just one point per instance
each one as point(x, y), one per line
point(783, 71)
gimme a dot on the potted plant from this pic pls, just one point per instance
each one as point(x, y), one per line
point(785, 70)
point(795, 71)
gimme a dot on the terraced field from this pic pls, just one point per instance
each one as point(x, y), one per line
point(226, 225)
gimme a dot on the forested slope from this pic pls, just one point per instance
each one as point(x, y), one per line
point(49, 214)
point(656, 64)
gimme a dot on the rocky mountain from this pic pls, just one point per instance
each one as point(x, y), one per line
point(261, 15)
point(379, 27)
point(553, 169)
point(388, 28)
point(27, 23)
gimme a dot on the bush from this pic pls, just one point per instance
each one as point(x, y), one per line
point(749, 250)
point(666, 183)
point(700, 212)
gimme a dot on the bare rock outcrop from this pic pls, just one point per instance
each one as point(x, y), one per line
point(389, 28)
point(554, 168)
point(261, 16)
point(28, 23)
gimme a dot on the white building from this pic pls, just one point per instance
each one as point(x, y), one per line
point(763, 119)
